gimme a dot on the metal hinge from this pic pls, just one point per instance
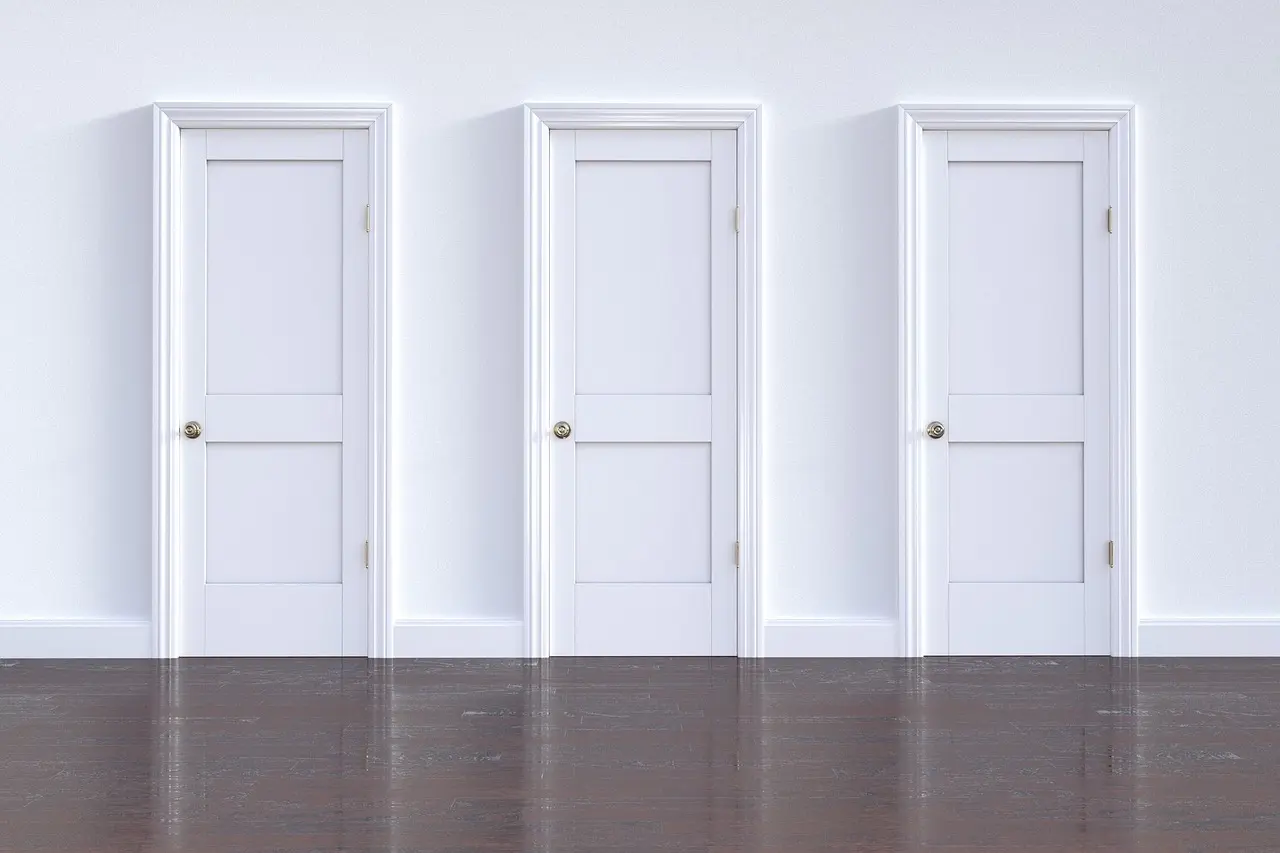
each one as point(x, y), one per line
point(1111, 554)
point(737, 220)
point(1110, 220)
point(368, 219)
point(366, 553)
point(737, 555)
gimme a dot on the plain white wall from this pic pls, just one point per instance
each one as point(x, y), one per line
point(75, 243)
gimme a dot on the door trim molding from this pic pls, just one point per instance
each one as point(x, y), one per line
point(169, 120)
point(1118, 121)
point(540, 120)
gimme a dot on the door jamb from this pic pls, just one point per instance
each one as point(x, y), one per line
point(540, 120)
point(1118, 121)
point(169, 121)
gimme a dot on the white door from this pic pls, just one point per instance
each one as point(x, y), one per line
point(275, 372)
point(1015, 323)
point(643, 366)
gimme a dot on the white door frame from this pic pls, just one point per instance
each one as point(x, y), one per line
point(1118, 121)
point(170, 120)
point(540, 120)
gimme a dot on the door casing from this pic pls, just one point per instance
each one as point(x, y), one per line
point(1118, 122)
point(540, 120)
point(169, 121)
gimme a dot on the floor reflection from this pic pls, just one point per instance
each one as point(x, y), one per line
point(638, 755)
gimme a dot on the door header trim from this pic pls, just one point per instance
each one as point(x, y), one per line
point(540, 120)
point(1118, 121)
point(170, 119)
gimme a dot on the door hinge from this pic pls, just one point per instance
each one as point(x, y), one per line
point(1111, 554)
point(1111, 220)
point(737, 220)
point(368, 219)
point(366, 553)
point(737, 555)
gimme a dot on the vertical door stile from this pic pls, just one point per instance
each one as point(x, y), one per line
point(1097, 392)
point(934, 361)
point(192, 360)
point(355, 391)
point(563, 451)
point(724, 388)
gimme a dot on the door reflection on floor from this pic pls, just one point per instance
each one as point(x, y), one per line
point(286, 752)
point(645, 753)
point(1015, 753)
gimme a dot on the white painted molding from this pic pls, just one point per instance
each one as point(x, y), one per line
point(459, 638)
point(1220, 637)
point(1118, 121)
point(540, 119)
point(170, 119)
point(1028, 116)
point(831, 638)
point(211, 115)
point(75, 638)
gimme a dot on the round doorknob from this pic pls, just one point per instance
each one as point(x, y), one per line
point(192, 429)
point(562, 429)
point(935, 430)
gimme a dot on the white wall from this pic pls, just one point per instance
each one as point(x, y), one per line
point(75, 172)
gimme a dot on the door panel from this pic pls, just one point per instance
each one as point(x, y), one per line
point(1016, 329)
point(273, 513)
point(275, 277)
point(275, 354)
point(1017, 512)
point(643, 354)
point(662, 489)
point(1016, 302)
point(643, 283)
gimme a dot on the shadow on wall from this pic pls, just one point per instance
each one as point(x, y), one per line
point(122, 368)
point(462, 288)
point(870, 242)
point(830, 221)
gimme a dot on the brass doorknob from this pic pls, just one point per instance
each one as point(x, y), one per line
point(192, 429)
point(935, 430)
point(562, 429)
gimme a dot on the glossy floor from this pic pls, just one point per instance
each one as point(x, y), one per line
point(640, 755)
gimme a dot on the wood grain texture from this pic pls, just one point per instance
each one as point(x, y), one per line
point(1032, 754)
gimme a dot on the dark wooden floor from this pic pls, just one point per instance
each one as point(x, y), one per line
point(640, 755)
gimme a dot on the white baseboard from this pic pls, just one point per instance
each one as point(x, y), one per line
point(458, 638)
point(75, 638)
point(1222, 637)
point(830, 638)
